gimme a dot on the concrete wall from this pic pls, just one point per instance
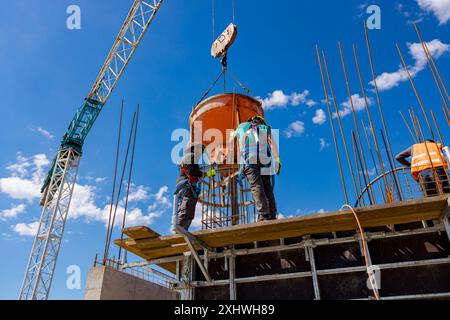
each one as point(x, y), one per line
point(106, 284)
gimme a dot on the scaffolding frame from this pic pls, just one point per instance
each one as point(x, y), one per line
point(186, 285)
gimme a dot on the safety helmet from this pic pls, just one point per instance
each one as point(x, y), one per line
point(257, 120)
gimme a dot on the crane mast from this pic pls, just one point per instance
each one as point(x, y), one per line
point(58, 186)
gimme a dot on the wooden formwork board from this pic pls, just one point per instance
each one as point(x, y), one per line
point(148, 244)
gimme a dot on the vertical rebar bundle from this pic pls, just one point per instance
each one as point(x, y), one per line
point(394, 183)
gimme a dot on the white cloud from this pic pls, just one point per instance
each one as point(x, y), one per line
point(100, 180)
point(409, 14)
point(26, 177)
point(278, 99)
point(12, 212)
point(436, 48)
point(372, 172)
point(19, 169)
point(310, 103)
point(301, 98)
point(440, 8)
point(26, 229)
point(44, 133)
point(20, 189)
point(323, 144)
point(162, 198)
point(282, 216)
point(389, 80)
point(197, 222)
point(302, 212)
point(97, 180)
point(320, 117)
point(295, 129)
point(139, 193)
point(83, 206)
point(25, 181)
point(358, 105)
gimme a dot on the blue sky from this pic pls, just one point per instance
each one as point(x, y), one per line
point(47, 70)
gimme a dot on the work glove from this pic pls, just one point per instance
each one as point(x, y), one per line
point(278, 166)
point(211, 173)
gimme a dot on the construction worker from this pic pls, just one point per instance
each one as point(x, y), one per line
point(187, 185)
point(256, 150)
point(428, 163)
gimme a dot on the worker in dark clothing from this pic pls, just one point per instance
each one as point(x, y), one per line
point(187, 188)
point(256, 151)
point(428, 163)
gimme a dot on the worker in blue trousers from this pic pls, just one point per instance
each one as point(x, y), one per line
point(257, 151)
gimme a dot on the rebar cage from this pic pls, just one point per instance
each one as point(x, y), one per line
point(225, 198)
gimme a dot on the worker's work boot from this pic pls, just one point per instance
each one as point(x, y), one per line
point(272, 216)
point(264, 217)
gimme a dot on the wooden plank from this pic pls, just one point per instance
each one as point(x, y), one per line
point(169, 266)
point(140, 232)
point(165, 246)
point(156, 242)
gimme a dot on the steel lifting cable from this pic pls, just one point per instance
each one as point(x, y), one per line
point(364, 245)
point(213, 13)
point(209, 89)
point(232, 5)
point(222, 73)
point(239, 83)
point(213, 21)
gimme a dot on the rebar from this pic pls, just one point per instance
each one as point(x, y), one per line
point(437, 127)
point(432, 65)
point(332, 125)
point(380, 109)
point(425, 116)
point(105, 251)
point(129, 182)
point(366, 181)
point(366, 104)
point(349, 92)
point(344, 141)
point(408, 127)
point(121, 182)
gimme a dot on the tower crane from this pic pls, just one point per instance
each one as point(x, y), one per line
point(59, 184)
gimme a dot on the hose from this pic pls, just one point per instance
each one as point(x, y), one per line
point(363, 238)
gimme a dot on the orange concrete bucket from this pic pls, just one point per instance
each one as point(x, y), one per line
point(222, 112)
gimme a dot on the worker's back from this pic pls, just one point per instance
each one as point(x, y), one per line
point(427, 155)
point(254, 143)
